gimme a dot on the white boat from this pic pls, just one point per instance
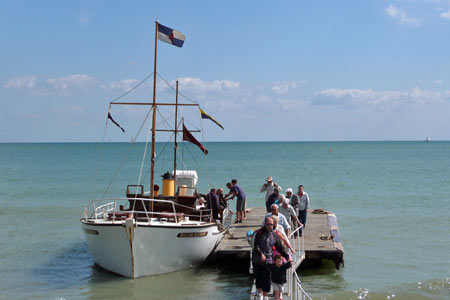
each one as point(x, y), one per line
point(139, 243)
point(150, 233)
point(428, 139)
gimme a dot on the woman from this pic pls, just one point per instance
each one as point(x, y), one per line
point(280, 231)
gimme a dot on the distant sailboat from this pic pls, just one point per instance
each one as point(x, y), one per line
point(428, 139)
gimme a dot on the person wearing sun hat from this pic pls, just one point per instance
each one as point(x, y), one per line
point(289, 193)
point(268, 187)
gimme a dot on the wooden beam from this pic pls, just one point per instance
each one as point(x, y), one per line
point(157, 104)
point(172, 130)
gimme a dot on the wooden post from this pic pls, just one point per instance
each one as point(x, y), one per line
point(175, 143)
point(152, 170)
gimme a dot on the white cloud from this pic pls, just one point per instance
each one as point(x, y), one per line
point(286, 87)
point(125, 84)
point(445, 14)
point(198, 85)
point(378, 100)
point(75, 80)
point(21, 82)
point(401, 17)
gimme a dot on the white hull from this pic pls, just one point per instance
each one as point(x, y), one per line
point(135, 251)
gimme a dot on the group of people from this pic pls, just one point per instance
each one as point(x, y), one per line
point(270, 259)
point(217, 201)
point(293, 207)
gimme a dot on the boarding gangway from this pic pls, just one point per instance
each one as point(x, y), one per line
point(292, 289)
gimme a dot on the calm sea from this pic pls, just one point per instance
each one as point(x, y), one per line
point(391, 200)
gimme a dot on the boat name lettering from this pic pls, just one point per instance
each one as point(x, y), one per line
point(90, 231)
point(192, 234)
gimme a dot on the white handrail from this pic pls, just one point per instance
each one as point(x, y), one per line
point(299, 292)
point(112, 207)
point(296, 291)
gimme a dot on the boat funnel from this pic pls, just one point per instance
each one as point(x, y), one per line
point(168, 184)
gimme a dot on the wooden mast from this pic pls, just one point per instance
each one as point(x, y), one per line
point(152, 170)
point(175, 143)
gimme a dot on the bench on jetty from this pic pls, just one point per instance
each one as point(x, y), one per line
point(321, 239)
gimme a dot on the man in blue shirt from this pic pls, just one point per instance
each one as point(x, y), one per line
point(282, 219)
point(236, 191)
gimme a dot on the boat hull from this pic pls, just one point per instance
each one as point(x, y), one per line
point(135, 251)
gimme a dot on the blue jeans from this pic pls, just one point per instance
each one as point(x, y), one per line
point(302, 219)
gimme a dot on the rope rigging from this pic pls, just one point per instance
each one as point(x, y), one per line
point(167, 126)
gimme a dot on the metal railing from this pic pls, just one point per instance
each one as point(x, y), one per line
point(298, 292)
point(295, 290)
point(109, 209)
point(297, 243)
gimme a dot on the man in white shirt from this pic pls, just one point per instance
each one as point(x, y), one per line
point(287, 210)
point(268, 187)
point(300, 201)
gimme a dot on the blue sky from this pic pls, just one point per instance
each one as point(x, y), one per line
point(267, 70)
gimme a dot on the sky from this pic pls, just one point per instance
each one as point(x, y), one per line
point(266, 70)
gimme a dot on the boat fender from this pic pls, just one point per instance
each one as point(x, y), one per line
point(129, 228)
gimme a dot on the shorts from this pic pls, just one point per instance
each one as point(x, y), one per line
point(240, 204)
point(262, 277)
point(277, 287)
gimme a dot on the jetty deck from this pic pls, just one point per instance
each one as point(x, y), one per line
point(321, 238)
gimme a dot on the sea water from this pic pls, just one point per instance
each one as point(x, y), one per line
point(391, 200)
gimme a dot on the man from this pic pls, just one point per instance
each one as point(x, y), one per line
point(282, 219)
point(300, 202)
point(272, 199)
point(289, 193)
point(236, 191)
point(268, 187)
point(288, 211)
point(222, 202)
point(213, 203)
point(265, 240)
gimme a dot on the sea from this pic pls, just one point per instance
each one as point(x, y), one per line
point(391, 199)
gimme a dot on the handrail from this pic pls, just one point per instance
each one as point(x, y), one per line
point(112, 207)
point(299, 243)
point(299, 291)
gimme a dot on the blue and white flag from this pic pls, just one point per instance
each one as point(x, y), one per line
point(170, 36)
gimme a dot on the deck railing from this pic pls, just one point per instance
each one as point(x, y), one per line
point(109, 209)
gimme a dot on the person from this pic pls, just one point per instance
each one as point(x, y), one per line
point(289, 192)
point(273, 199)
point(213, 203)
point(264, 242)
point(268, 187)
point(277, 228)
point(244, 211)
point(300, 202)
point(288, 211)
point(236, 191)
point(199, 203)
point(278, 272)
point(222, 202)
point(283, 221)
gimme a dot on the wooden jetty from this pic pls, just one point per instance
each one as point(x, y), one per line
point(321, 239)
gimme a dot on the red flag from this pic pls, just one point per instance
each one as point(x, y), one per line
point(187, 136)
